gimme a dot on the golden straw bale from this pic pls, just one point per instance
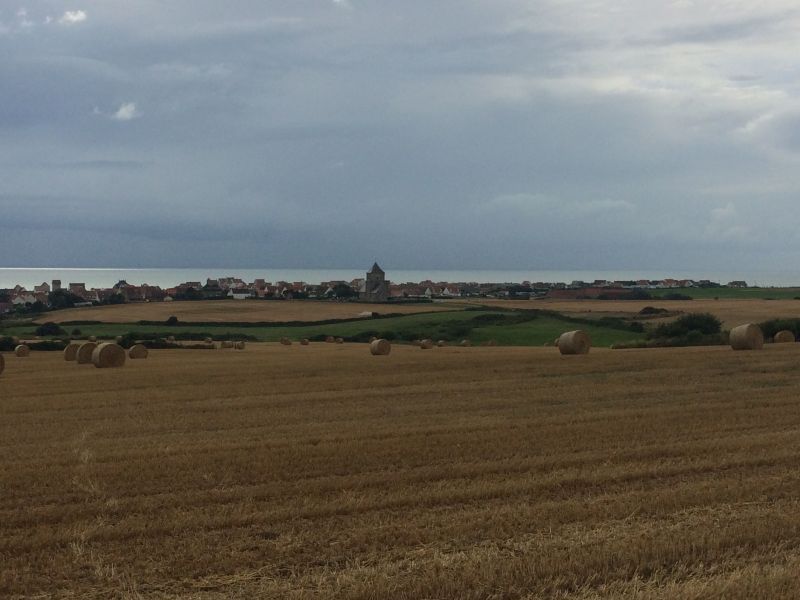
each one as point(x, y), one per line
point(226, 344)
point(380, 347)
point(304, 342)
point(783, 337)
point(209, 340)
point(22, 351)
point(286, 341)
point(71, 352)
point(426, 344)
point(108, 356)
point(574, 342)
point(239, 345)
point(747, 337)
point(466, 343)
point(340, 340)
point(138, 351)
point(84, 355)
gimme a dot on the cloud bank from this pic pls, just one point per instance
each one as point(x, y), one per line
point(457, 134)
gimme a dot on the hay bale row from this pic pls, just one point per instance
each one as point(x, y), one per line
point(22, 351)
point(784, 337)
point(108, 356)
point(746, 337)
point(574, 342)
point(138, 351)
point(380, 347)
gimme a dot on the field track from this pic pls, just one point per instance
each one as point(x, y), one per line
point(241, 311)
point(322, 472)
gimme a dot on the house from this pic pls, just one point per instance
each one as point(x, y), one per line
point(44, 288)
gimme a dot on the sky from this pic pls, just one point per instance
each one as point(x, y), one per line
point(447, 134)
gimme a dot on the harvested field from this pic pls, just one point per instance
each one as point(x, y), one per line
point(318, 472)
point(731, 312)
point(233, 311)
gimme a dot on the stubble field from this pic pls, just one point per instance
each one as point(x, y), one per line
point(321, 471)
point(232, 311)
point(731, 311)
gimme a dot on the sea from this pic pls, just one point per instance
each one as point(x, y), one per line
point(107, 277)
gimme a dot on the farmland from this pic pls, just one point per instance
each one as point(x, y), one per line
point(250, 311)
point(320, 471)
point(731, 312)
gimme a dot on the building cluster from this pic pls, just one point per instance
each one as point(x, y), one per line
point(372, 288)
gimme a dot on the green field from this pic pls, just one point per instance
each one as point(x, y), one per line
point(518, 328)
point(766, 293)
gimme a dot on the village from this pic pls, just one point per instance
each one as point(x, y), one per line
point(372, 288)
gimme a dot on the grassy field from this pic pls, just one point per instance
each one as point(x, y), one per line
point(241, 311)
point(766, 293)
point(321, 472)
point(731, 312)
point(449, 325)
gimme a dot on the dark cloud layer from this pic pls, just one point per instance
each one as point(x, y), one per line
point(549, 135)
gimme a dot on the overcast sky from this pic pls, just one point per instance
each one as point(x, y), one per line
point(636, 134)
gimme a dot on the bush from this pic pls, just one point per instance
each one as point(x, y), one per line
point(676, 296)
point(173, 320)
point(701, 323)
point(49, 329)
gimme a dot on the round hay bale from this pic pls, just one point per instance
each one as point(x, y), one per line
point(380, 347)
point(239, 345)
point(286, 341)
point(304, 342)
point(466, 343)
point(339, 341)
point(426, 344)
point(84, 355)
point(226, 344)
point(171, 339)
point(138, 351)
point(22, 351)
point(2, 363)
point(747, 337)
point(783, 337)
point(441, 343)
point(71, 352)
point(574, 342)
point(330, 339)
point(209, 340)
point(108, 356)
point(92, 338)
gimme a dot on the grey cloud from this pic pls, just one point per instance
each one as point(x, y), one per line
point(300, 134)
